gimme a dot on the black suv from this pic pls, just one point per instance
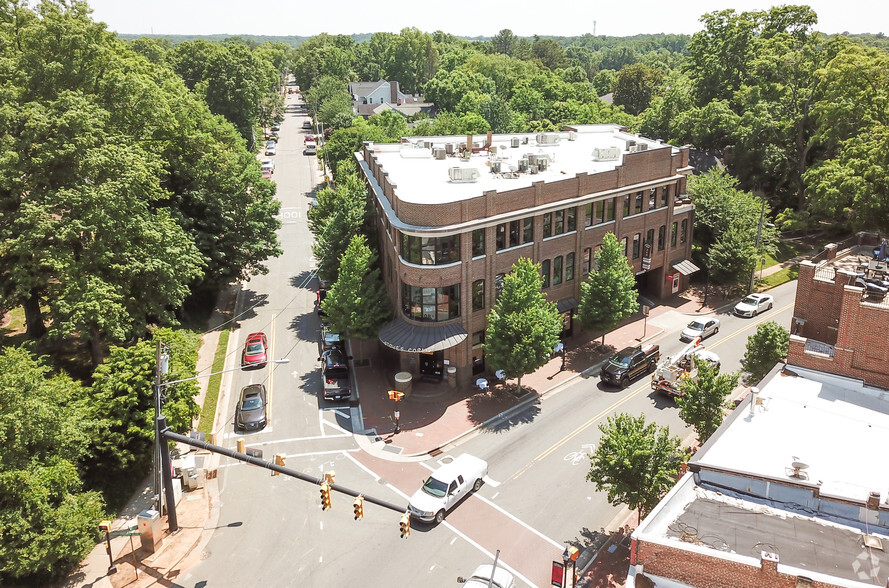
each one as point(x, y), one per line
point(629, 363)
point(335, 381)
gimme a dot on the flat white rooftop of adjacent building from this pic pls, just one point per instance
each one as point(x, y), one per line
point(421, 178)
point(836, 426)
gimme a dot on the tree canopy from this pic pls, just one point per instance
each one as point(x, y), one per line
point(703, 403)
point(608, 295)
point(765, 349)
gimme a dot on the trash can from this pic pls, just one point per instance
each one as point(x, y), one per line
point(151, 528)
point(452, 376)
point(404, 383)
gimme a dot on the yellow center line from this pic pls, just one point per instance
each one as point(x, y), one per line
point(633, 394)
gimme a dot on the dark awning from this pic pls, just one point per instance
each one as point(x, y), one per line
point(686, 267)
point(566, 305)
point(402, 336)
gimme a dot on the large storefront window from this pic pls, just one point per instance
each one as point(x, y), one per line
point(430, 250)
point(430, 304)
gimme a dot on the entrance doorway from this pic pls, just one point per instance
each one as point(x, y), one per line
point(432, 364)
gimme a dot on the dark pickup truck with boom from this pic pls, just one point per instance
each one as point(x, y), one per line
point(630, 363)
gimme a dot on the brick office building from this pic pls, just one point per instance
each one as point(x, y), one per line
point(455, 213)
point(839, 327)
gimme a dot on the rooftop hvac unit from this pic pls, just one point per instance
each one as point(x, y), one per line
point(542, 163)
point(548, 138)
point(523, 164)
point(532, 158)
point(439, 153)
point(532, 169)
point(638, 147)
point(463, 174)
point(631, 143)
point(449, 148)
point(515, 142)
point(421, 144)
point(572, 135)
point(606, 153)
point(495, 167)
point(493, 149)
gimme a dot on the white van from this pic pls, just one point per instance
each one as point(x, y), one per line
point(311, 148)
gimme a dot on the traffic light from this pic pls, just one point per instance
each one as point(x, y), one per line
point(405, 525)
point(358, 507)
point(280, 460)
point(325, 496)
point(329, 476)
point(105, 526)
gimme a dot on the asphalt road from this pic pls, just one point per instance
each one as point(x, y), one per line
point(536, 499)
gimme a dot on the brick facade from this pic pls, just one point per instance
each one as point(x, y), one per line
point(711, 571)
point(853, 329)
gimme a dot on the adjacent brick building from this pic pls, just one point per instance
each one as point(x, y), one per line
point(791, 491)
point(839, 327)
point(455, 213)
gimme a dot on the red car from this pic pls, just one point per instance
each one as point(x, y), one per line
point(267, 174)
point(255, 350)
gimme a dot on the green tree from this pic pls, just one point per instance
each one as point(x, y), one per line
point(733, 257)
point(703, 402)
point(47, 520)
point(523, 328)
point(635, 462)
point(504, 42)
point(333, 233)
point(357, 304)
point(765, 349)
point(635, 86)
point(608, 295)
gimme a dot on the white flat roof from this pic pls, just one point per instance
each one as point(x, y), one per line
point(837, 426)
point(422, 179)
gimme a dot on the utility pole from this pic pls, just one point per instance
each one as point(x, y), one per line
point(158, 488)
point(758, 235)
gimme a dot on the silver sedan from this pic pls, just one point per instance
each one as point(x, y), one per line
point(702, 328)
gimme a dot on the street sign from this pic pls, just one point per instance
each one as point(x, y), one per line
point(558, 574)
point(131, 533)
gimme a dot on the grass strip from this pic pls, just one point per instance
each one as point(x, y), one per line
point(208, 411)
point(787, 274)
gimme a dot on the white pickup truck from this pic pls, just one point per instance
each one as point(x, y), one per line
point(446, 487)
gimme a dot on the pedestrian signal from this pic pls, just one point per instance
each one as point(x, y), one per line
point(358, 507)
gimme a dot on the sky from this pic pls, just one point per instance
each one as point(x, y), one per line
point(486, 18)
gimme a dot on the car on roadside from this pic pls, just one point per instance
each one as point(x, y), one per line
point(307, 124)
point(630, 363)
point(311, 148)
point(702, 328)
point(447, 486)
point(336, 381)
point(271, 148)
point(753, 304)
point(328, 339)
point(267, 163)
point(266, 174)
point(276, 128)
point(255, 353)
point(251, 413)
point(487, 576)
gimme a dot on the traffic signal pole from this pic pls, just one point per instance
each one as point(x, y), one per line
point(168, 435)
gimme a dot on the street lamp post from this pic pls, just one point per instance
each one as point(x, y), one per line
point(707, 286)
point(396, 396)
point(164, 449)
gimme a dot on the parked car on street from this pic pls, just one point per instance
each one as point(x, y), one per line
point(255, 352)
point(446, 487)
point(754, 304)
point(702, 328)
point(311, 148)
point(307, 124)
point(336, 383)
point(271, 148)
point(327, 339)
point(250, 414)
point(267, 174)
point(267, 163)
point(630, 363)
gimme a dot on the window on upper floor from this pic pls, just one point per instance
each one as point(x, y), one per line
point(661, 237)
point(587, 260)
point(557, 270)
point(637, 238)
point(683, 233)
point(544, 269)
point(569, 267)
point(559, 222)
point(478, 242)
point(430, 304)
point(673, 234)
point(478, 295)
point(430, 250)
